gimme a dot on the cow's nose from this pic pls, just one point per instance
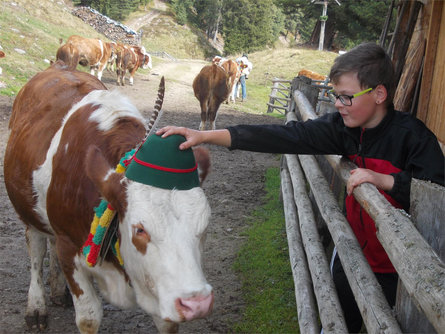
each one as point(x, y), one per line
point(195, 307)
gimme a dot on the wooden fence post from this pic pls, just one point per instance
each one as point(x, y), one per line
point(304, 293)
point(331, 314)
point(429, 219)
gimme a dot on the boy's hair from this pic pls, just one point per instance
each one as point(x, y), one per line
point(372, 65)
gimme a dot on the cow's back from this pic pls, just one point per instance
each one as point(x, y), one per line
point(44, 167)
point(211, 81)
point(89, 49)
point(37, 114)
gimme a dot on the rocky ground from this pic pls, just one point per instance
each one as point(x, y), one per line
point(234, 188)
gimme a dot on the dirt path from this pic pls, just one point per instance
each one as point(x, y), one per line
point(136, 24)
point(234, 188)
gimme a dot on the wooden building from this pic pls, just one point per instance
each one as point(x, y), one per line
point(417, 47)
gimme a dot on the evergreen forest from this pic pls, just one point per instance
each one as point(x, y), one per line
point(252, 25)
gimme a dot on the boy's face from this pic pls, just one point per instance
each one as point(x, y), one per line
point(364, 112)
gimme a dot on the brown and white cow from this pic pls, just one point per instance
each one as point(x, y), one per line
point(233, 70)
point(211, 87)
point(90, 52)
point(68, 132)
point(2, 54)
point(130, 58)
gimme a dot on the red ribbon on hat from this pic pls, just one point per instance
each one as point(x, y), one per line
point(164, 169)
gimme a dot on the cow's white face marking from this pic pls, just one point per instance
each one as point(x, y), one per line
point(162, 236)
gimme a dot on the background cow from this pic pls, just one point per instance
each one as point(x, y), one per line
point(90, 52)
point(2, 54)
point(312, 75)
point(130, 58)
point(211, 87)
point(68, 133)
point(233, 69)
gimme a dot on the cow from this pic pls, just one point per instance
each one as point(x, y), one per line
point(67, 134)
point(91, 52)
point(130, 58)
point(311, 75)
point(211, 87)
point(2, 54)
point(233, 70)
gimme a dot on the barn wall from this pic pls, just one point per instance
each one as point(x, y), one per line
point(432, 97)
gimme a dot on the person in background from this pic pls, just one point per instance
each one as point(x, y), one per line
point(389, 148)
point(245, 66)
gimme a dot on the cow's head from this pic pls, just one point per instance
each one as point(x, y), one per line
point(146, 59)
point(162, 232)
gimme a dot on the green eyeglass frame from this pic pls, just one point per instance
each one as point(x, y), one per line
point(347, 99)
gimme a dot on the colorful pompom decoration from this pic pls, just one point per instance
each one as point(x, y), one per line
point(103, 215)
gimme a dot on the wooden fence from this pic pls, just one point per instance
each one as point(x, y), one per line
point(279, 97)
point(413, 254)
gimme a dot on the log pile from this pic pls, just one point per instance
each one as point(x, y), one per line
point(113, 30)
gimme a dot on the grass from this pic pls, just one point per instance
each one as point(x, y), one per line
point(263, 264)
point(34, 27)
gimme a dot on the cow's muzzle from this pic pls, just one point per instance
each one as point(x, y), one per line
point(194, 307)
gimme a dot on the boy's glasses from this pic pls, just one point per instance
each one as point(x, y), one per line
point(347, 99)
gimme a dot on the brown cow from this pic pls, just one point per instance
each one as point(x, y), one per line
point(233, 69)
point(90, 52)
point(68, 133)
point(211, 87)
point(312, 75)
point(130, 58)
point(2, 54)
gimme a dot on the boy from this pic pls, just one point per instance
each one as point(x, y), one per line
point(388, 146)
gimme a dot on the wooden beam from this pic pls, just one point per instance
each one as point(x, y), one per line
point(432, 40)
point(304, 294)
point(331, 314)
point(367, 291)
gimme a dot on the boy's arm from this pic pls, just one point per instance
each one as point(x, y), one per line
point(195, 137)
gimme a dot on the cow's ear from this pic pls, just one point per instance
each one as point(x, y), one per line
point(107, 181)
point(202, 157)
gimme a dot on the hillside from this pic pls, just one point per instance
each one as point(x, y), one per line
point(31, 31)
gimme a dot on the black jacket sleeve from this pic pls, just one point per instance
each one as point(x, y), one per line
point(321, 136)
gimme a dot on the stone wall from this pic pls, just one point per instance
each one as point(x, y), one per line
point(113, 30)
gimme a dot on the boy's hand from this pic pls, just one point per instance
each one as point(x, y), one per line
point(193, 137)
point(361, 175)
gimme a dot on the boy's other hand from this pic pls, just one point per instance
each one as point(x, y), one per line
point(362, 175)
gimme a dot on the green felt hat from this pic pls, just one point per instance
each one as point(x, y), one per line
point(160, 163)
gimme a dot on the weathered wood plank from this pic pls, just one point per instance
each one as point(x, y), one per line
point(367, 291)
point(304, 294)
point(418, 266)
point(429, 219)
point(331, 314)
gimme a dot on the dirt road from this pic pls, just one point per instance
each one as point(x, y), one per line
point(234, 188)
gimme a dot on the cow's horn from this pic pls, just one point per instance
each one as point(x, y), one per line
point(157, 112)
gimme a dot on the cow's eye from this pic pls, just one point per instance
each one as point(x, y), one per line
point(138, 230)
point(140, 238)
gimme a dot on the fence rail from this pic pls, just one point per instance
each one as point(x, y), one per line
point(421, 271)
point(281, 92)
